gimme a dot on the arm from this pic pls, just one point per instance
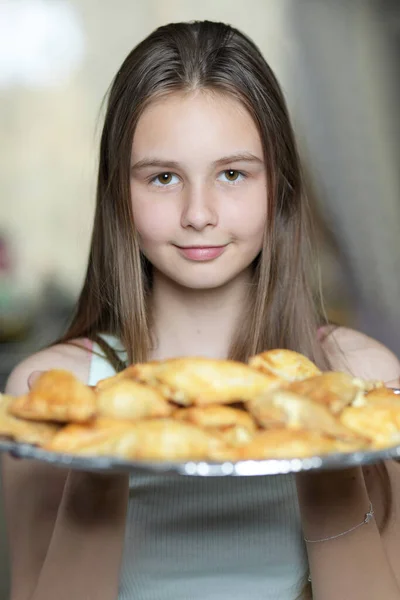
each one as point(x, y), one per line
point(85, 552)
point(62, 527)
point(32, 493)
point(362, 565)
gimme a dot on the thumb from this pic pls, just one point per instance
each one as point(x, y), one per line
point(33, 377)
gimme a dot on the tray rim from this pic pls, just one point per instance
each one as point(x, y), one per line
point(203, 468)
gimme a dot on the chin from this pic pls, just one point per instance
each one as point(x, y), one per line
point(203, 285)
point(206, 281)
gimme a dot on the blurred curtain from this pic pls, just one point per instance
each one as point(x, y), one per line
point(344, 91)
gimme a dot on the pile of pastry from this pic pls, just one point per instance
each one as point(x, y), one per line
point(279, 405)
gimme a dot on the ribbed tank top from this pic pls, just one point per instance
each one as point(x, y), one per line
point(214, 538)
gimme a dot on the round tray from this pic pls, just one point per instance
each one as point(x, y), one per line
point(201, 468)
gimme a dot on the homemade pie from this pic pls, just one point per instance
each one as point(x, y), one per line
point(285, 364)
point(281, 408)
point(376, 416)
point(235, 426)
point(202, 381)
point(279, 405)
point(56, 395)
point(331, 390)
point(156, 439)
point(22, 430)
point(216, 416)
point(286, 443)
point(129, 399)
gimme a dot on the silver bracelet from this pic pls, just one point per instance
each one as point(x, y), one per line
point(367, 518)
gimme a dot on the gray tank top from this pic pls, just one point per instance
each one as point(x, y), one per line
point(222, 538)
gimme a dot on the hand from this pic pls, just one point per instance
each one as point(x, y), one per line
point(33, 377)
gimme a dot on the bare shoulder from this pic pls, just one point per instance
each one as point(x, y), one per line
point(357, 353)
point(73, 356)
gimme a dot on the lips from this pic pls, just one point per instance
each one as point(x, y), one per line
point(201, 253)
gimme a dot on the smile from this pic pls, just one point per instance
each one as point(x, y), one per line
point(201, 253)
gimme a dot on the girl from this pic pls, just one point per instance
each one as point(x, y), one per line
point(201, 246)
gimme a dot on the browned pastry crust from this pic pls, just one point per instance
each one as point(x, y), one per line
point(129, 399)
point(203, 381)
point(285, 443)
point(235, 436)
point(56, 395)
point(155, 439)
point(281, 408)
point(382, 393)
point(278, 406)
point(332, 390)
point(128, 373)
point(285, 364)
point(21, 430)
point(216, 416)
point(376, 416)
point(234, 426)
point(98, 434)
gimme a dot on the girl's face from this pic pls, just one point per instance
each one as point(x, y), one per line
point(198, 188)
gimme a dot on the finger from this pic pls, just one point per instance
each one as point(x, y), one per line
point(33, 377)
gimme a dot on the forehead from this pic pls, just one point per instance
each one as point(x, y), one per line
point(199, 126)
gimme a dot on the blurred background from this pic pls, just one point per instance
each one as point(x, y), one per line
point(337, 62)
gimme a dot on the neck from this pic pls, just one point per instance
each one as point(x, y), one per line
point(196, 322)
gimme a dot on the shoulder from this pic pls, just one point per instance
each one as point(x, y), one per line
point(361, 355)
point(73, 356)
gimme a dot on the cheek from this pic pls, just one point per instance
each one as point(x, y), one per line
point(249, 219)
point(154, 224)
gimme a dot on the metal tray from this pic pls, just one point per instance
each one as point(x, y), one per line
point(201, 468)
point(205, 469)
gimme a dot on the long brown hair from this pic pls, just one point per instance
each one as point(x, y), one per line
point(282, 309)
point(185, 57)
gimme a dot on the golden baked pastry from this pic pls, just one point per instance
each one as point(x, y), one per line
point(235, 436)
point(127, 373)
point(98, 434)
point(285, 364)
point(281, 408)
point(371, 384)
point(216, 416)
point(129, 399)
point(381, 393)
point(277, 406)
point(284, 443)
point(332, 390)
point(74, 436)
point(155, 439)
point(203, 381)
point(56, 395)
point(21, 430)
point(376, 416)
point(234, 426)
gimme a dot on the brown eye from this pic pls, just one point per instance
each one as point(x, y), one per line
point(232, 175)
point(164, 178)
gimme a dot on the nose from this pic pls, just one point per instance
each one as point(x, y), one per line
point(199, 209)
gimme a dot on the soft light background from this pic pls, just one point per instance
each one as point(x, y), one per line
point(337, 62)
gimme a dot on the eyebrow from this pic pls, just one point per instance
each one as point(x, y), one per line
point(232, 158)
